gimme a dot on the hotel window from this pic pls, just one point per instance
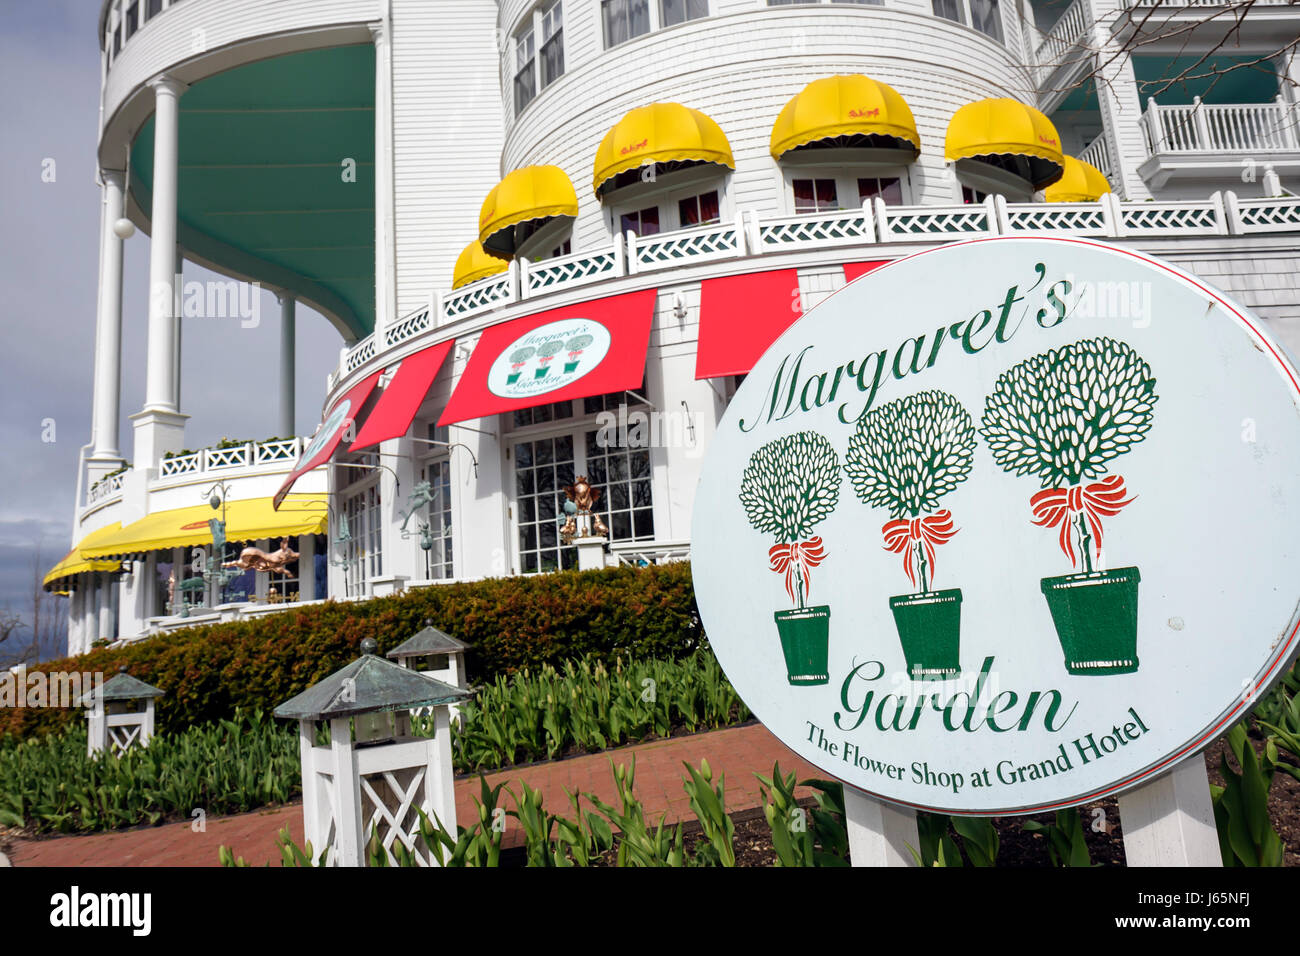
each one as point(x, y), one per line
point(698, 210)
point(815, 195)
point(987, 18)
point(644, 222)
point(364, 551)
point(552, 44)
point(285, 586)
point(888, 188)
point(624, 20)
point(132, 19)
point(152, 9)
point(541, 414)
point(672, 12)
point(542, 468)
point(969, 195)
point(949, 10)
point(438, 563)
point(525, 73)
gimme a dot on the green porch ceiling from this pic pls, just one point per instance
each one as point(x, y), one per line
point(1215, 79)
point(262, 187)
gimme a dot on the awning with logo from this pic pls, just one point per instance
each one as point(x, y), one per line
point(586, 349)
point(1081, 182)
point(659, 133)
point(740, 316)
point(397, 405)
point(73, 563)
point(1009, 134)
point(850, 110)
point(474, 263)
point(532, 194)
point(246, 520)
point(331, 431)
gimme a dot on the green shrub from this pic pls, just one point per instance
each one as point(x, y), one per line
point(511, 623)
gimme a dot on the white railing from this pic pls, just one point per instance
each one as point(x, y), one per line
point(1057, 43)
point(283, 451)
point(564, 272)
point(104, 489)
point(1130, 4)
point(752, 235)
point(1232, 128)
point(1097, 154)
point(698, 244)
point(360, 354)
point(640, 554)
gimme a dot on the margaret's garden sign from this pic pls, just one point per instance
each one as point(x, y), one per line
point(1006, 525)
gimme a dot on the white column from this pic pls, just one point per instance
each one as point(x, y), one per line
point(105, 456)
point(159, 427)
point(879, 833)
point(177, 349)
point(104, 605)
point(288, 331)
point(307, 568)
point(385, 259)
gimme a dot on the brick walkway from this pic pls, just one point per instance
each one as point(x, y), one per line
point(738, 752)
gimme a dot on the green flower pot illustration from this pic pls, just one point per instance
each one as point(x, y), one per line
point(575, 347)
point(905, 456)
point(1061, 416)
point(929, 628)
point(805, 642)
point(790, 485)
point(545, 352)
point(1096, 618)
point(518, 358)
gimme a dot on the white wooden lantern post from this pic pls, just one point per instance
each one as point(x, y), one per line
point(120, 714)
point(374, 774)
point(424, 648)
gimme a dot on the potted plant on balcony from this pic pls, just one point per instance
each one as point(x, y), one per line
point(545, 352)
point(790, 485)
point(1061, 416)
point(575, 346)
point(904, 457)
point(518, 359)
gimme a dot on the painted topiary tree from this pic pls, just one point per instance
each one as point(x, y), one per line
point(574, 347)
point(905, 457)
point(1062, 416)
point(545, 352)
point(792, 484)
point(518, 358)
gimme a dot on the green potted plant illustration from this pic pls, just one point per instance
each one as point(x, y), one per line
point(545, 352)
point(790, 485)
point(519, 358)
point(905, 456)
point(575, 346)
point(1061, 416)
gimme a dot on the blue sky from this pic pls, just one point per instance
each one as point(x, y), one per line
point(49, 68)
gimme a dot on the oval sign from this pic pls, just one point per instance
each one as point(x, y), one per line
point(547, 358)
point(1005, 526)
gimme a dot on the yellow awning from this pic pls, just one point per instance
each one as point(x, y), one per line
point(1007, 127)
point(246, 520)
point(1081, 182)
point(475, 263)
point(846, 105)
point(659, 133)
point(73, 563)
point(526, 195)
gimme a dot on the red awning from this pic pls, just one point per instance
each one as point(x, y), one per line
point(332, 431)
point(854, 269)
point(740, 316)
point(392, 414)
point(575, 352)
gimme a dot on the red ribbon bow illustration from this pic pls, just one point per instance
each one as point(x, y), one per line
point(903, 534)
point(1058, 506)
point(795, 559)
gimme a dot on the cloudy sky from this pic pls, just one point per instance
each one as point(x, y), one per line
point(49, 68)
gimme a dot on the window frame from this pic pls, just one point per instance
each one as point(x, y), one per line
point(654, 17)
point(966, 9)
point(533, 24)
point(666, 193)
point(838, 165)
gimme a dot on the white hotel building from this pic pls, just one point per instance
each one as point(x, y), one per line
point(677, 177)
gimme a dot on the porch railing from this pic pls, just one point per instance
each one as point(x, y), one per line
point(1220, 128)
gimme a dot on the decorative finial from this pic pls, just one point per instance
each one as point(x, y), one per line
point(369, 645)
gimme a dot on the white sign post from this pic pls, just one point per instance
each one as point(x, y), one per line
point(1005, 527)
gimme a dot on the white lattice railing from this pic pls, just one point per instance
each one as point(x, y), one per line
point(360, 354)
point(482, 295)
point(181, 465)
point(1130, 4)
point(1056, 45)
point(564, 272)
point(813, 230)
point(1227, 127)
point(240, 456)
point(640, 554)
point(697, 244)
point(750, 235)
point(287, 449)
point(104, 489)
point(1097, 154)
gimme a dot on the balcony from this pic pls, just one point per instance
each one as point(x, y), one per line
point(836, 236)
point(1204, 141)
point(1061, 47)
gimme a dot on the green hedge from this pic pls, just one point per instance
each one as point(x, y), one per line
point(511, 623)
